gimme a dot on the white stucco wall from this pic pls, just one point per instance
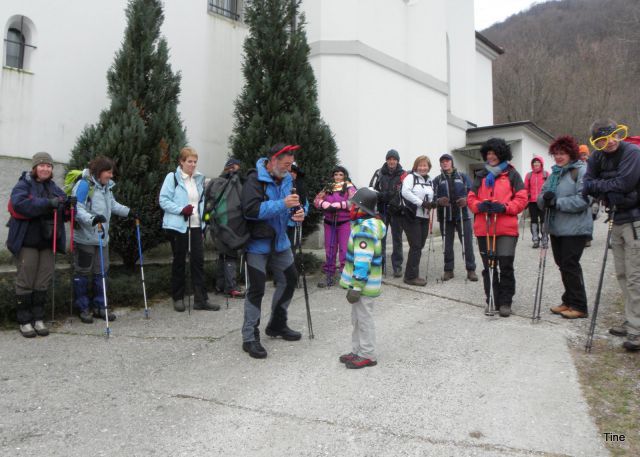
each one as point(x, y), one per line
point(483, 90)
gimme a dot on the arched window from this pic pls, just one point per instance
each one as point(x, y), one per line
point(15, 49)
point(18, 42)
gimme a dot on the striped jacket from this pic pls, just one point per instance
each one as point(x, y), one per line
point(363, 267)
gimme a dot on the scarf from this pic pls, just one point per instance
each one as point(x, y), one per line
point(494, 172)
point(556, 173)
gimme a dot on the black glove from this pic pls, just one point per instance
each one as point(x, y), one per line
point(98, 219)
point(353, 295)
point(615, 198)
point(549, 199)
point(495, 207)
point(71, 202)
point(426, 204)
point(484, 206)
point(134, 214)
point(461, 202)
point(54, 202)
point(330, 209)
point(443, 201)
point(433, 204)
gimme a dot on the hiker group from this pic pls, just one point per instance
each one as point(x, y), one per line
point(256, 221)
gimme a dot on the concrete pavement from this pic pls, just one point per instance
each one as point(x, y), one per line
point(450, 381)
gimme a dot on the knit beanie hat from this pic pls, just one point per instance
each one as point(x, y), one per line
point(40, 158)
point(446, 157)
point(392, 153)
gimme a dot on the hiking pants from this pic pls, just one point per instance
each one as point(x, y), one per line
point(395, 221)
point(336, 239)
point(626, 255)
point(416, 229)
point(363, 337)
point(286, 277)
point(504, 280)
point(180, 248)
point(33, 278)
point(567, 251)
point(450, 228)
point(537, 219)
point(86, 265)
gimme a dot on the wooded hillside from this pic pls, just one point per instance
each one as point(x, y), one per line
point(567, 63)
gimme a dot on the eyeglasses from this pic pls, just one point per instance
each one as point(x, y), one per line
point(619, 134)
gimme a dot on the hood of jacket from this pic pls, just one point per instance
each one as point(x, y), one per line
point(539, 159)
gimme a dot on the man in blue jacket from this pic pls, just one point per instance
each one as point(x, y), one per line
point(267, 204)
point(613, 176)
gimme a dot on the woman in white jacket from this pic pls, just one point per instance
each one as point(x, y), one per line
point(417, 197)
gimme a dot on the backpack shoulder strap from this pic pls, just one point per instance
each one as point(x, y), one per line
point(574, 174)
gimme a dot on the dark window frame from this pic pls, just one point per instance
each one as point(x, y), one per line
point(227, 8)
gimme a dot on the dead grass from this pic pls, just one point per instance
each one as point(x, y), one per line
point(610, 378)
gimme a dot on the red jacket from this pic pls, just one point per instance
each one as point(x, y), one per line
point(508, 190)
point(533, 181)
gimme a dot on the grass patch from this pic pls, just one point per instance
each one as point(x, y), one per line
point(610, 378)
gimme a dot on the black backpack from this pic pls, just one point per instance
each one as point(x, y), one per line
point(223, 213)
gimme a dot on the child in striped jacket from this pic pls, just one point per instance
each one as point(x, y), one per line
point(362, 276)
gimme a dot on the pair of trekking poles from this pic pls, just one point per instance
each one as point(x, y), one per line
point(101, 235)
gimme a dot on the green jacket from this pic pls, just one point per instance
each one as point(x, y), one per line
point(363, 268)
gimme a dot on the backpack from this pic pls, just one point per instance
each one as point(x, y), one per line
point(70, 180)
point(409, 208)
point(223, 213)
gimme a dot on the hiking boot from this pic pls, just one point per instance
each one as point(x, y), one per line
point(178, 305)
point(536, 244)
point(472, 276)
point(285, 332)
point(559, 309)
point(415, 282)
point(505, 310)
point(255, 349)
point(101, 313)
point(236, 294)
point(397, 272)
point(574, 314)
point(360, 362)
point(206, 306)
point(40, 328)
point(618, 330)
point(326, 283)
point(632, 344)
point(447, 275)
point(344, 358)
point(587, 244)
point(86, 316)
point(27, 331)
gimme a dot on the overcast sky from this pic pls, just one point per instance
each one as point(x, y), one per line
point(488, 12)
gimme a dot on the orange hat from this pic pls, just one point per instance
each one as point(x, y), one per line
point(583, 149)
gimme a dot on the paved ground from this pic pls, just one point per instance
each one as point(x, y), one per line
point(450, 382)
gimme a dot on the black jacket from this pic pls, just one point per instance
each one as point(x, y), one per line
point(388, 184)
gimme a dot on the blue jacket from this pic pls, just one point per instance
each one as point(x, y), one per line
point(174, 198)
point(30, 199)
point(571, 215)
point(269, 208)
point(619, 172)
point(461, 187)
point(93, 199)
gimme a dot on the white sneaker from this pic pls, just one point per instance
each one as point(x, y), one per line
point(41, 329)
point(27, 331)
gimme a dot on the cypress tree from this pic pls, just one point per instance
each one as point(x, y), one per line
point(141, 130)
point(279, 101)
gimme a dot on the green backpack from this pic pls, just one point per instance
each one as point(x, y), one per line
point(70, 180)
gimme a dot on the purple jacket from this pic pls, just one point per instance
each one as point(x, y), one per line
point(338, 200)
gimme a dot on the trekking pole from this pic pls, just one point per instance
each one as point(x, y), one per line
point(189, 262)
point(107, 330)
point(594, 316)
point(332, 249)
point(224, 276)
point(144, 288)
point(490, 310)
point(304, 282)
point(386, 233)
point(462, 234)
point(542, 263)
point(71, 224)
point(55, 251)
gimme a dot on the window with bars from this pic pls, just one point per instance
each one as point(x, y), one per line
point(17, 43)
point(226, 8)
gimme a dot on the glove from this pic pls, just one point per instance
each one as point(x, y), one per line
point(615, 198)
point(134, 214)
point(54, 202)
point(336, 205)
point(98, 219)
point(353, 295)
point(71, 202)
point(484, 206)
point(549, 199)
point(433, 204)
point(443, 201)
point(187, 211)
point(495, 207)
point(426, 204)
point(461, 202)
point(330, 209)
point(588, 188)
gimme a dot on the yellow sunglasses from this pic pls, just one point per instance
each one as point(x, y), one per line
point(619, 134)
